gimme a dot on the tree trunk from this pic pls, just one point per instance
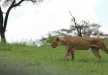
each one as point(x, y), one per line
point(2, 31)
point(80, 34)
point(3, 38)
point(4, 25)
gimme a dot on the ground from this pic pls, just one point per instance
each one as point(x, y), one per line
point(16, 59)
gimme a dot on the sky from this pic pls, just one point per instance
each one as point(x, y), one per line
point(31, 22)
point(102, 14)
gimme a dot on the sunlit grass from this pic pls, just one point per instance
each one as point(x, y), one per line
point(48, 61)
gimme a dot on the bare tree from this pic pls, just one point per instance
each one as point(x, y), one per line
point(83, 28)
point(10, 4)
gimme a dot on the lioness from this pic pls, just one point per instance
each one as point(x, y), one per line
point(75, 42)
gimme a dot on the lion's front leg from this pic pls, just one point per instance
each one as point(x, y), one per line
point(96, 53)
point(70, 52)
point(67, 54)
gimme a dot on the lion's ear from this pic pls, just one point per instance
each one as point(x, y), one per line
point(58, 39)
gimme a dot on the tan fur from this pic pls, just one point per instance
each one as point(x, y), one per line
point(81, 43)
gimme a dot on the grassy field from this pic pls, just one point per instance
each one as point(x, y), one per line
point(29, 60)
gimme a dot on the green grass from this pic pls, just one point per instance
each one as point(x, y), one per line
point(19, 59)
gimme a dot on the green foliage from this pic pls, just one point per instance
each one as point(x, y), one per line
point(50, 39)
point(47, 41)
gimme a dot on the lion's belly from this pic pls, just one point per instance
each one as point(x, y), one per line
point(79, 44)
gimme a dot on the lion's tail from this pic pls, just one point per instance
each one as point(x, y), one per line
point(105, 48)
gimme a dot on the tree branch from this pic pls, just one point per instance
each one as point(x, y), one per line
point(7, 15)
point(17, 4)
